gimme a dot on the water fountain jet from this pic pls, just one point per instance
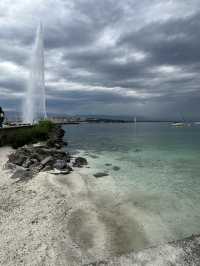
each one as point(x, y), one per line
point(34, 107)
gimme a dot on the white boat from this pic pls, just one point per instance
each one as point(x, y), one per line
point(181, 124)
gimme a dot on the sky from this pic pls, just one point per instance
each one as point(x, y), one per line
point(124, 57)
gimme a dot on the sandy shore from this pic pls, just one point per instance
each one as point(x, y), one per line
point(59, 220)
point(70, 220)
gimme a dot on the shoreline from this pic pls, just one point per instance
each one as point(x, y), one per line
point(67, 220)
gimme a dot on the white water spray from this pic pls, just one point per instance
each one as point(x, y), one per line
point(35, 100)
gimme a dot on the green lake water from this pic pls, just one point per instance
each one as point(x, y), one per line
point(158, 174)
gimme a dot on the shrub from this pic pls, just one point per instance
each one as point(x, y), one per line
point(39, 132)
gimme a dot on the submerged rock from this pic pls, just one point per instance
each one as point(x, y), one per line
point(94, 156)
point(100, 174)
point(116, 168)
point(80, 162)
point(137, 150)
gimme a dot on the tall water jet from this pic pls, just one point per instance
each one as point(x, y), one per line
point(34, 107)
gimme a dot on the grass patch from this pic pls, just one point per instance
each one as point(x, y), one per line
point(23, 136)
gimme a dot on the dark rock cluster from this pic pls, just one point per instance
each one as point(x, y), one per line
point(31, 159)
point(56, 138)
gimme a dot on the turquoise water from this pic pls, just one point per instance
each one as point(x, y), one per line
point(158, 175)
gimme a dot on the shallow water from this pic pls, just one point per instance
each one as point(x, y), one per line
point(157, 178)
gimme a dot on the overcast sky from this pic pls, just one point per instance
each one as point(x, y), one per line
point(128, 57)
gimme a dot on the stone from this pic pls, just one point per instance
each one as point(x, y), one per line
point(60, 164)
point(36, 156)
point(58, 145)
point(46, 160)
point(17, 158)
point(94, 156)
point(27, 163)
point(108, 164)
point(100, 174)
point(69, 168)
point(60, 172)
point(116, 168)
point(47, 168)
point(10, 166)
point(80, 162)
point(22, 175)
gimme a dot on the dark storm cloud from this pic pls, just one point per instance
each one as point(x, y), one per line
point(115, 56)
point(173, 42)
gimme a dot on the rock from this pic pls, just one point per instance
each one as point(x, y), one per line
point(58, 145)
point(61, 155)
point(56, 138)
point(47, 168)
point(60, 164)
point(39, 144)
point(116, 168)
point(60, 172)
point(17, 158)
point(100, 174)
point(69, 168)
point(80, 162)
point(22, 175)
point(46, 160)
point(35, 166)
point(27, 163)
point(108, 164)
point(10, 166)
point(36, 156)
point(68, 157)
point(34, 161)
point(94, 156)
point(137, 150)
point(50, 143)
point(13, 167)
point(65, 143)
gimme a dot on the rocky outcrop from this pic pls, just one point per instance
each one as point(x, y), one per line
point(31, 159)
point(56, 138)
point(35, 159)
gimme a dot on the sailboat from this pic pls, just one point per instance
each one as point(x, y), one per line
point(181, 124)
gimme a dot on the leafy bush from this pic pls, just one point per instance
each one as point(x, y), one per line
point(39, 132)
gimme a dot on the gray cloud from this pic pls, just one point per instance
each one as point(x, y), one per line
point(101, 56)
